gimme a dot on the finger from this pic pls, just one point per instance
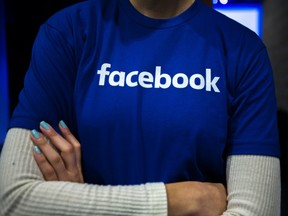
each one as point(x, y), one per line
point(71, 139)
point(46, 169)
point(50, 154)
point(63, 146)
point(75, 143)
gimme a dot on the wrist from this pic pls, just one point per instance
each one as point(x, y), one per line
point(180, 201)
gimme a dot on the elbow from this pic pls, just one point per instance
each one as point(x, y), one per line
point(19, 174)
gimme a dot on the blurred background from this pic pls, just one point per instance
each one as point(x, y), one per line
point(20, 21)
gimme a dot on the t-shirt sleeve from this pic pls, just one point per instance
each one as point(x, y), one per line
point(253, 122)
point(48, 85)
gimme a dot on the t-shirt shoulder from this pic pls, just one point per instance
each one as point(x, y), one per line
point(68, 14)
point(234, 34)
point(235, 31)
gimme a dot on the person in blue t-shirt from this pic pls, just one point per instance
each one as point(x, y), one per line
point(143, 107)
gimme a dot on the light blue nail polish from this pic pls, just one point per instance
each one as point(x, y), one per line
point(36, 149)
point(44, 125)
point(63, 125)
point(35, 134)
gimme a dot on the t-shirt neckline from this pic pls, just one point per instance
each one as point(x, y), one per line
point(145, 21)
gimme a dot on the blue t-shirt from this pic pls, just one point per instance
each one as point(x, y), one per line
point(151, 99)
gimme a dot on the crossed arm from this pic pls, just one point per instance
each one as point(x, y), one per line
point(24, 191)
point(65, 165)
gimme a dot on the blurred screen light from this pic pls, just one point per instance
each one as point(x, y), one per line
point(249, 15)
point(4, 100)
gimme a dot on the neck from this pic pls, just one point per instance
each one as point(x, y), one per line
point(161, 9)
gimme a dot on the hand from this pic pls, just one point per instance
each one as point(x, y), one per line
point(196, 198)
point(58, 157)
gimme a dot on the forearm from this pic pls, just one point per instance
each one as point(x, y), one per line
point(24, 192)
point(253, 184)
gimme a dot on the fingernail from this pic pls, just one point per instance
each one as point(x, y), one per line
point(35, 134)
point(44, 125)
point(63, 125)
point(36, 149)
